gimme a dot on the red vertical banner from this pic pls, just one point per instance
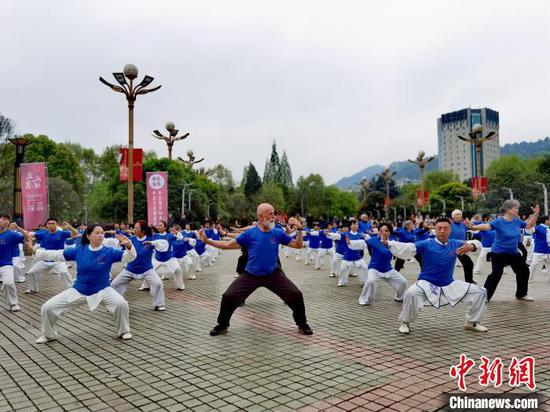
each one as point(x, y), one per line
point(484, 184)
point(138, 165)
point(157, 197)
point(387, 202)
point(34, 193)
point(422, 198)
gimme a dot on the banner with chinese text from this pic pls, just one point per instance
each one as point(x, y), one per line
point(138, 165)
point(34, 194)
point(157, 197)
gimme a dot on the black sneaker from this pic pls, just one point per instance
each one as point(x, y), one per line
point(305, 329)
point(218, 330)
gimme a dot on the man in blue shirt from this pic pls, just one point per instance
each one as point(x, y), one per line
point(436, 284)
point(262, 269)
point(51, 238)
point(9, 239)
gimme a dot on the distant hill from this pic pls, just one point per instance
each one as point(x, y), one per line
point(407, 171)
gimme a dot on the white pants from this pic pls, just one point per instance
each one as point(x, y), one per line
point(321, 253)
point(171, 267)
point(396, 280)
point(475, 300)
point(121, 282)
point(539, 259)
point(64, 301)
point(309, 254)
point(530, 253)
point(204, 258)
point(288, 250)
point(481, 259)
point(188, 265)
point(336, 263)
point(41, 267)
point(192, 253)
point(18, 267)
point(345, 269)
point(6, 275)
point(212, 251)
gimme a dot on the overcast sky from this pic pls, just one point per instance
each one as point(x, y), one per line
point(340, 85)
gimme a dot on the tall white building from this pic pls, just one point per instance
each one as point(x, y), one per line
point(457, 155)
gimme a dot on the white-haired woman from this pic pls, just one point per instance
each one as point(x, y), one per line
point(504, 251)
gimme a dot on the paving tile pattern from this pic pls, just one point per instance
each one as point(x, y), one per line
point(356, 360)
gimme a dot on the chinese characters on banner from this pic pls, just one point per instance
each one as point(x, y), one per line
point(34, 193)
point(138, 165)
point(520, 371)
point(157, 197)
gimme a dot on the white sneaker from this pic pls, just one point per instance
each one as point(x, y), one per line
point(44, 339)
point(182, 288)
point(160, 308)
point(332, 275)
point(353, 275)
point(526, 297)
point(340, 285)
point(30, 291)
point(15, 308)
point(21, 280)
point(404, 328)
point(126, 336)
point(192, 277)
point(316, 268)
point(199, 270)
point(477, 327)
point(140, 288)
point(363, 302)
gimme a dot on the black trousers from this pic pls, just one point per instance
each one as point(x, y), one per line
point(399, 263)
point(518, 265)
point(277, 282)
point(468, 267)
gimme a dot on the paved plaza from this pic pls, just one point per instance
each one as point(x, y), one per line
point(356, 360)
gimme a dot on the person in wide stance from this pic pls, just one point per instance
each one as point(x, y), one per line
point(435, 284)
point(262, 269)
point(92, 286)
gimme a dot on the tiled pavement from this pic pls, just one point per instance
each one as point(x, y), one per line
point(356, 360)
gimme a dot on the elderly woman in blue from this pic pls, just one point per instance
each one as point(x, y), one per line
point(504, 251)
point(93, 261)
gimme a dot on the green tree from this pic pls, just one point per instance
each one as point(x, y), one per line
point(253, 183)
point(273, 194)
point(64, 202)
point(272, 168)
point(437, 178)
point(450, 192)
point(285, 172)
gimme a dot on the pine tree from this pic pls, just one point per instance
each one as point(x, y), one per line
point(253, 183)
point(271, 173)
point(285, 173)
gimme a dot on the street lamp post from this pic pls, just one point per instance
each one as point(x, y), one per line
point(545, 191)
point(387, 176)
point(395, 213)
point(171, 138)
point(404, 212)
point(191, 161)
point(510, 192)
point(20, 144)
point(422, 162)
point(185, 186)
point(477, 139)
point(444, 207)
point(461, 202)
point(131, 92)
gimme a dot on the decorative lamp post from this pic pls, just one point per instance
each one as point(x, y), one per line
point(422, 161)
point(461, 202)
point(171, 138)
point(510, 192)
point(387, 175)
point(477, 139)
point(545, 191)
point(126, 81)
point(191, 159)
point(20, 144)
